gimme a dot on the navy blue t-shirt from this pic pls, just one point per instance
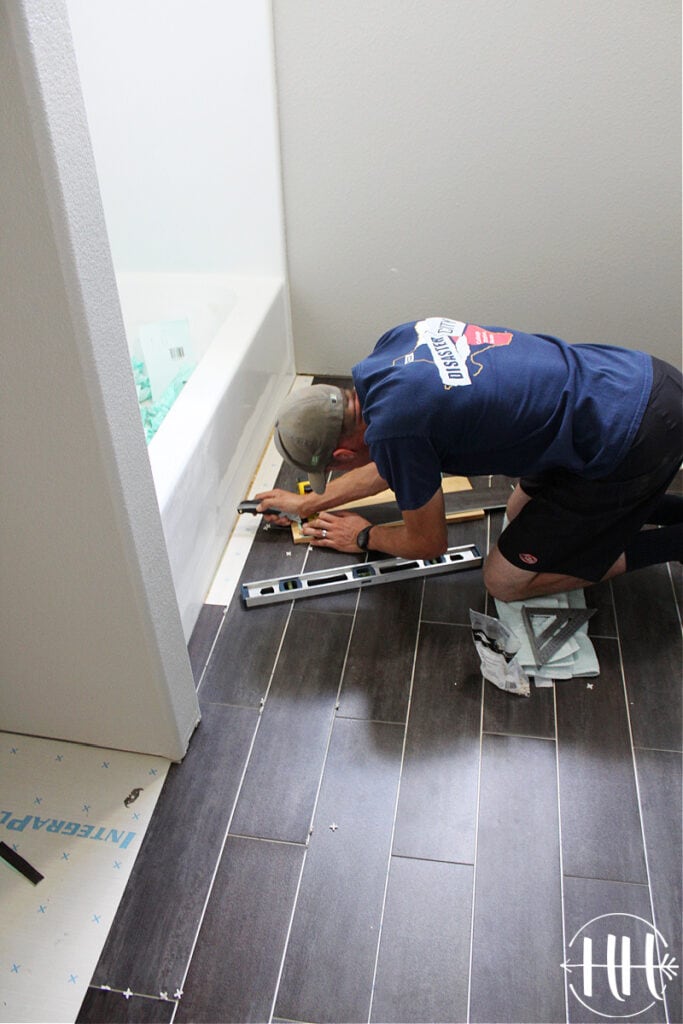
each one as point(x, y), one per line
point(442, 396)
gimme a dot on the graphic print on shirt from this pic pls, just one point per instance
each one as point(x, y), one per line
point(453, 347)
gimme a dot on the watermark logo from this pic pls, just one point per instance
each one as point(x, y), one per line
point(619, 966)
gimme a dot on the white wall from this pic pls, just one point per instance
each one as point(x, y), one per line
point(181, 108)
point(91, 645)
point(502, 162)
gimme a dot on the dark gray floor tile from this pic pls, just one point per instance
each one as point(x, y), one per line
point(481, 495)
point(448, 598)
point(601, 834)
point(517, 940)
point(203, 636)
point(676, 570)
point(602, 622)
point(424, 954)
point(659, 783)
point(520, 716)
point(651, 643)
point(102, 1007)
point(242, 661)
point(235, 965)
point(437, 807)
point(281, 782)
point(330, 959)
point(380, 662)
point(593, 909)
point(151, 939)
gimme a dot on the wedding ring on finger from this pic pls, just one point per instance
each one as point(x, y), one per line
point(324, 534)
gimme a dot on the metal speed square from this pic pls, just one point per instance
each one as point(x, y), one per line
point(564, 622)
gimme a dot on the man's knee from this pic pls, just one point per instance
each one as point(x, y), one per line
point(502, 581)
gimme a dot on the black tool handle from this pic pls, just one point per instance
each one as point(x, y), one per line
point(251, 506)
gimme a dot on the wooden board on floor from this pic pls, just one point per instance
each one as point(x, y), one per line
point(449, 485)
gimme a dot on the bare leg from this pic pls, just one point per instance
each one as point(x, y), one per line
point(508, 583)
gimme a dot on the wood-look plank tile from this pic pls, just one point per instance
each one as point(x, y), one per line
point(588, 899)
point(437, 807)
point(651, 644)
point(603, 621)
point(448, 598)
point(330, 959)
point(281, 782)
point(517, 938)
point(237, 959)
point(380, 661)
point(424, 953)
point(150, 941)
point(520, 716)
point(242, 660)
point(601, 834)
point(203, 636)
point(101, 1007)
point(660, 788)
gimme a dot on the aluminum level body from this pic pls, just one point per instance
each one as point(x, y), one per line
point(360, 574)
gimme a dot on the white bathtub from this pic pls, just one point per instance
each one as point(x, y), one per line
point(207, 449)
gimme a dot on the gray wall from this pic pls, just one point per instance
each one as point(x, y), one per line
point(501, 162)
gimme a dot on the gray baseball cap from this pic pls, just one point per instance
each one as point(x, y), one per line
point(308, 428)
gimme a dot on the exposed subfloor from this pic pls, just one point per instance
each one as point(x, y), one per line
point(364, 830)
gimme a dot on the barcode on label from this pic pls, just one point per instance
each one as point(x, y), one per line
point(177, 353)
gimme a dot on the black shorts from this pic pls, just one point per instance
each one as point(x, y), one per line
point(579, 527)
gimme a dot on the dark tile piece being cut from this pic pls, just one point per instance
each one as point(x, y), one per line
point(482, 496)
point(601, 834)
point(449, 597)
point(437, 807)
point(517, 939)
point(651, 646)
point(281, 782)
point(151, 939)
point(380, 662)
point(102, 1007)
point(589, 996)
point(424, 954)
point(330, 959)
point(659, 783)
point(203, 636)
point(237, 959)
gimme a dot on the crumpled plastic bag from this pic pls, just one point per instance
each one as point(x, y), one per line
point(497, 648)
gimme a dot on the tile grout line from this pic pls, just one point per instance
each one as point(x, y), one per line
point(232, 813)
point(295, 901)
point(637, 785)
point(213, 645)
point(478, 806)
point(675, 595)
point(396, 801)
point(560, 850)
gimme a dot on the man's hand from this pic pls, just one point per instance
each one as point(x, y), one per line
point(336, 530)
point(284, 501)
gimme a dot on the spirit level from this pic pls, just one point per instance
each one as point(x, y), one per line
point(361, 574)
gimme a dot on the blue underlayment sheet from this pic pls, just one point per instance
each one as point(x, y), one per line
point(577, 655)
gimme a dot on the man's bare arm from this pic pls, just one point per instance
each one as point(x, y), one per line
point(357, 483)
point(422, 534)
